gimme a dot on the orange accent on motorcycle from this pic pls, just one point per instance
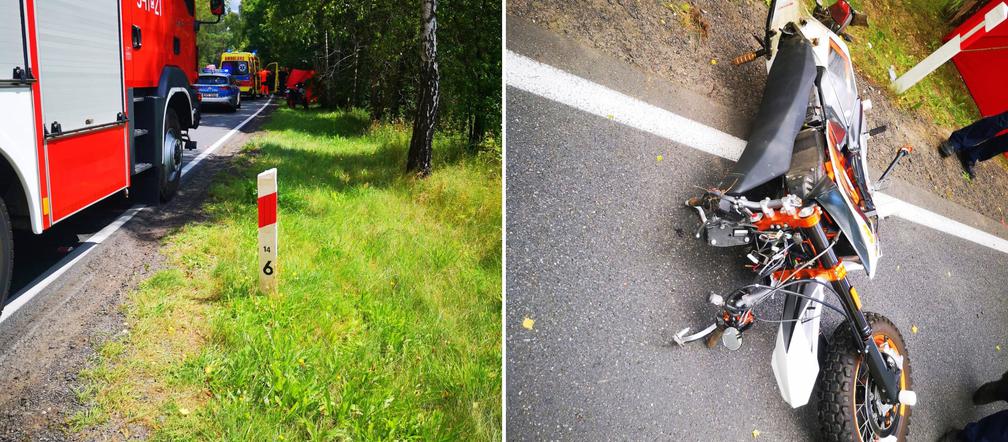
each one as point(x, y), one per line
point(834, 274)
point(795, 221)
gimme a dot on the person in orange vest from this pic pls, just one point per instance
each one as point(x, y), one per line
point(264, 82)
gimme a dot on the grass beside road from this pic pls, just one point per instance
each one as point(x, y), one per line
point(387, 320)
point(902, 33)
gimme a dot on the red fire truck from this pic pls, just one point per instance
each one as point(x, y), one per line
point(96, 99)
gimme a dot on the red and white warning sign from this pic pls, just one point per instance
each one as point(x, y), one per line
point(268, 230)
point(956, 44)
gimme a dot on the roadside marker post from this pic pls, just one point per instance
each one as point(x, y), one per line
point(955, 45)
point(268, 240)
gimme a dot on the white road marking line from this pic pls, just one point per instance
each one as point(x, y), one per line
point(26, 294)
point(549, 82)
point(213, 147)
point(556, 85)
point(890, 206)
point(29, 293)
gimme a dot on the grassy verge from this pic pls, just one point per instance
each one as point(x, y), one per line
point(387, 320)
point(901, 34)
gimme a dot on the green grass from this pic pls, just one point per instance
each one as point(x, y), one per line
point(901, 34)
point(386, 324)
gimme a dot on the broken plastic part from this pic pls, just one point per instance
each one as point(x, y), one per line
point(681, 338)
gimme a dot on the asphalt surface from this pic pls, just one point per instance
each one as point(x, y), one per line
point(601, 255)
point(37, 254)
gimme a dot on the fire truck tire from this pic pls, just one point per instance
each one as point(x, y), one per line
point(6, 253)
point(170, 169)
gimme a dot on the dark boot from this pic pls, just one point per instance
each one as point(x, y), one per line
point(946, 149)
point(968, 165)
point(992, 391)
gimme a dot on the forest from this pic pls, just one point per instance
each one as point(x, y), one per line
point(368, 54)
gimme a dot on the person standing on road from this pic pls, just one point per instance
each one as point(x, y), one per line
point(264, 82)
point(990, 428)
point(977, 142)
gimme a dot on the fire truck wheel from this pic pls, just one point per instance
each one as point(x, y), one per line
point(171, 161)
point(6, 253)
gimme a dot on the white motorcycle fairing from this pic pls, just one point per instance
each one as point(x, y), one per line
point(795, 360)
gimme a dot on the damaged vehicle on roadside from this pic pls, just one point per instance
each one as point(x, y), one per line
point(800, 200)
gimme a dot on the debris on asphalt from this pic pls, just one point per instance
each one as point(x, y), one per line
point(682, 339)
point(755, 433)
point(659, 158)
point(528, 323)
point(913, 329)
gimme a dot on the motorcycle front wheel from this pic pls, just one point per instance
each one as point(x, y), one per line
point(849, 408)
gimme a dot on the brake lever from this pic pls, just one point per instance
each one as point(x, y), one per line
point(703, 218)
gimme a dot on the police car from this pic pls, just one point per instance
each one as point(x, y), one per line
point(218, 87)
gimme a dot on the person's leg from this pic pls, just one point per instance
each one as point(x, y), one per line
point(993, 427)
point(980, 131)
point(988, 149)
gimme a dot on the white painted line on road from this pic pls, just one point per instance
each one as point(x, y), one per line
point(23, 297)
point(216, 145)
point(890, 206)
point(556, 85)
point(33, 290)
point(549, 82)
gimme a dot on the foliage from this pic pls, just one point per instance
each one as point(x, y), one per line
point(386, 325)
point(215, 39)
point(368, 54)
point(901, 34)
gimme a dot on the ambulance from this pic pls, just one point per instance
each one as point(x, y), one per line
point(244, 67)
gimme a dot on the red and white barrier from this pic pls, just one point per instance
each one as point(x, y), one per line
point(268, 230)
point(956, 44)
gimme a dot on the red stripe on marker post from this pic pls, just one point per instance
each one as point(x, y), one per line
point(268, 233)
point(267, 210)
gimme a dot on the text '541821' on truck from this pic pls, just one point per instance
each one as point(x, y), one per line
point(96, 99)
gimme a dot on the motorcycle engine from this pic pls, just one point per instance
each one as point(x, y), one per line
point(807, 163)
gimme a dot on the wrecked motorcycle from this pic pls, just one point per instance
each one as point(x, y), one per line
point(800, 199)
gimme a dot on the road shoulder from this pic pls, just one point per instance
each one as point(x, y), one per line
point(50, 340)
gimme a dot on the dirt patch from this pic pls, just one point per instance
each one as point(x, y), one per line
point(48, 343)
point(663, 38)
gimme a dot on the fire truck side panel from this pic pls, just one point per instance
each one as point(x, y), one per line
point(11, 39)
point(17, 145)
point(20, 181)
point(81, 78)
point(85, 168)
point(162, 27)
point(81, 63)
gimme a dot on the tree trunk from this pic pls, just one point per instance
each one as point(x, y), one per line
point(377, 103)
point(419, 160)
point(478, 129)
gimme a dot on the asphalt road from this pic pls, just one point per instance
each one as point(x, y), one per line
point(601, 254)
point(37, 254)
